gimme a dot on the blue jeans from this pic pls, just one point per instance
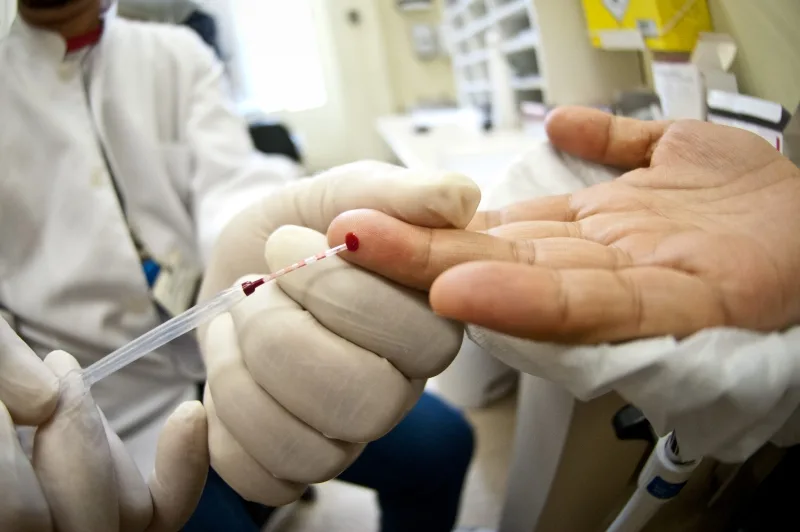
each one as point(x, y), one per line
point(417, 470)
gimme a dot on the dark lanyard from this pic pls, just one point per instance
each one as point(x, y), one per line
point(150, 266)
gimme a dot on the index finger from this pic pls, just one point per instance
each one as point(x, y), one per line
point(415, 256)
point(411, 255)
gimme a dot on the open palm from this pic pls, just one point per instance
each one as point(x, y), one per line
point(701, 232)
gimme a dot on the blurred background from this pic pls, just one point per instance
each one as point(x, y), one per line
point(464, 85)
point(327, 66)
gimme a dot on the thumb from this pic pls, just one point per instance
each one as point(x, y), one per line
point(429, 199)
point(28, 387)
point(602, 138)
point(181, 468)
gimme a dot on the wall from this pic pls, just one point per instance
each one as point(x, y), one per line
point(768, 64)
point(576, 73)
point(356, 77)
point(364, 74)
point(413, 79)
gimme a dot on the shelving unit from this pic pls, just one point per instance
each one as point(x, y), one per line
point(547, 48)
point(469, 21)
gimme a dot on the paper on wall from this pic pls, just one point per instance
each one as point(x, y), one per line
point(621, 40)
point(680, 87)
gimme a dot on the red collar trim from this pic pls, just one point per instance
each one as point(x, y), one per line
point(82, 41)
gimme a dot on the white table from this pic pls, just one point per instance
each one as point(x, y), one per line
point(453, 144)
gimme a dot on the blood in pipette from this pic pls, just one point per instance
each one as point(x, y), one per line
point(352, 242)
point(248, 287)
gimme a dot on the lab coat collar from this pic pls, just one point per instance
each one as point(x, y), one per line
point(37, 41)
point(48, 44)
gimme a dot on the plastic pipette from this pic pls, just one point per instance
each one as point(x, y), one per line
point(195, 316)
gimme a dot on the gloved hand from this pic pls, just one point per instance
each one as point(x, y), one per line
point(697, 235)
point(306, 371)
point(81, 478)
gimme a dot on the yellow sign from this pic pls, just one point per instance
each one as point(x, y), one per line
point(660, 25)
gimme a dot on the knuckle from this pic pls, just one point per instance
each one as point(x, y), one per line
point(524, 252)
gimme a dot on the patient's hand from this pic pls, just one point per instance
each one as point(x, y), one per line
point(704, 230)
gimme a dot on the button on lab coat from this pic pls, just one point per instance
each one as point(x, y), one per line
point(153, 96)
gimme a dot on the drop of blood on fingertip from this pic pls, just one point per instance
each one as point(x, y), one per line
point(352, 242)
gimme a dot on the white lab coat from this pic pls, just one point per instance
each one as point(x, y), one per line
point(184, 164)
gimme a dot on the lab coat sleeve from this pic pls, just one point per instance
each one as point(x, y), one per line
point(227, 172)
point(725, 392)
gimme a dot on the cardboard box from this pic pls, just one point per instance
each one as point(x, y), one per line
point(791, 138)
point(661, 25)
point(713, 55)
point(679, 86)
point(682, 81)
point(762, 117)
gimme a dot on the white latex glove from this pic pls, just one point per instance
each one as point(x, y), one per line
point(724, 391)
point(81, 478)
point(305, 372)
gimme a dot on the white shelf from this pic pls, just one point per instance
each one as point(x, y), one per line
point(458, 9)
point(473, 58)
point(544, 42)
point(422, 5)
point(474, 28)
point(473, 87)
point(513, 21)
point(527, 40)
point(491, 18)
point(504, 11)
point(525, 83)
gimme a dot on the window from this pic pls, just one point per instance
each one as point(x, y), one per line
point(278, 54)
point(8, 11)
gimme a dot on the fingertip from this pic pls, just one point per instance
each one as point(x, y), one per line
point(182, 463)
point(579, 131)
point(384, 242)
point(556, 118)
point(347, 222)
point(463, 194)
point(186, 430)
point(191, 421)
point(61, 363)
point(191, 414)
point(366, 224)
point(447, 293)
